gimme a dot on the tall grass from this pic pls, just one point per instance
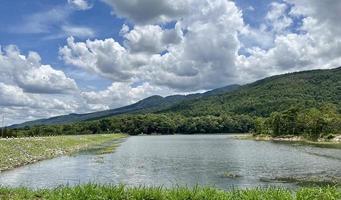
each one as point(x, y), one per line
point(100, 192)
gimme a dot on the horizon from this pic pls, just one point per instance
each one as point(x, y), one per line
point(82, 56)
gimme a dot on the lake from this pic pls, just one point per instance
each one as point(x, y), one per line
point(208, 160)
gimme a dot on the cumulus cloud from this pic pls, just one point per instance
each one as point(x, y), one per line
point(105, 57)
point(30, 90)
point(13, 96)
point(326, 13)
point(28, 73)
point(277, 18)
point(316, 44)
point(150, 39)
point(121, 94)
point(197, 53)
point(149, 11)
point(18, 106)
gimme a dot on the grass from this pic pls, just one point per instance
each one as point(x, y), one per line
point(311, 181)
point(94, 192)
point(16, 152)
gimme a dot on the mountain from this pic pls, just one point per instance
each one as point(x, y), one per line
point(150, 104)
point(305, 89)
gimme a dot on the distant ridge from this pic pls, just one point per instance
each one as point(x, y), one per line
point(306, 89)
point(149, 104)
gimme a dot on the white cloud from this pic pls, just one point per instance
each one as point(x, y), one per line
point(250, 8)
point(13, 96)
point(31, 90)
point(256, 37)
point(326, 13)
point(121, 94)
point(18, 106)
point(149, 11)
point(277, 18)
point(198, 53)
point(150, 39)
point(105, 57)
point(28, 73)
point(80, 4)
point(78, 31)
point(317, 44)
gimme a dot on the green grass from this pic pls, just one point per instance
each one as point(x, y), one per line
point(16, 152)
point(94, 192)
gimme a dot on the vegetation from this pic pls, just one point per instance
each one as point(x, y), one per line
point(307, 89)
point(21, 151)
point(92, 191)
point(305, 103)
point(311, 123)
point(147, 105)
point(144, 124)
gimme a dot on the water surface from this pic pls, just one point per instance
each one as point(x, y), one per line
point(209, 160)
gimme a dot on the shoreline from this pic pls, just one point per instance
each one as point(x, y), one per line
point(18, 152)
point(294, 139)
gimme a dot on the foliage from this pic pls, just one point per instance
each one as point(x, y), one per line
point(304, 103)
point(312, 123)
point(146, 124)
point(147, 105)
point(307, 89)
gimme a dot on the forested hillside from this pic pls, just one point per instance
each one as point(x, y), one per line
point(147, 105)
point(305, 89)
point(303, 103)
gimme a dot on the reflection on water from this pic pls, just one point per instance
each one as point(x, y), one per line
point(210, 160)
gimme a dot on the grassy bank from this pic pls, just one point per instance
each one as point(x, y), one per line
point(143, 193)
point(16, 152)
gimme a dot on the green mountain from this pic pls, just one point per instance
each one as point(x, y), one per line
point(302, 103)
point(304, 89)
point(150, 104)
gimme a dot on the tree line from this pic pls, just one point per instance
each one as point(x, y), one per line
point(144, 124)
point(312, 123)
point(309, 122)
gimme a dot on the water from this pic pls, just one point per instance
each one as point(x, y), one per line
point(190, 160)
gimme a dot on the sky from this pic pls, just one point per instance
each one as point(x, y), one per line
point(79, 56)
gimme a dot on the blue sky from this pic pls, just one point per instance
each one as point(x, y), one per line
point(60, 57)
point(14, 14)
